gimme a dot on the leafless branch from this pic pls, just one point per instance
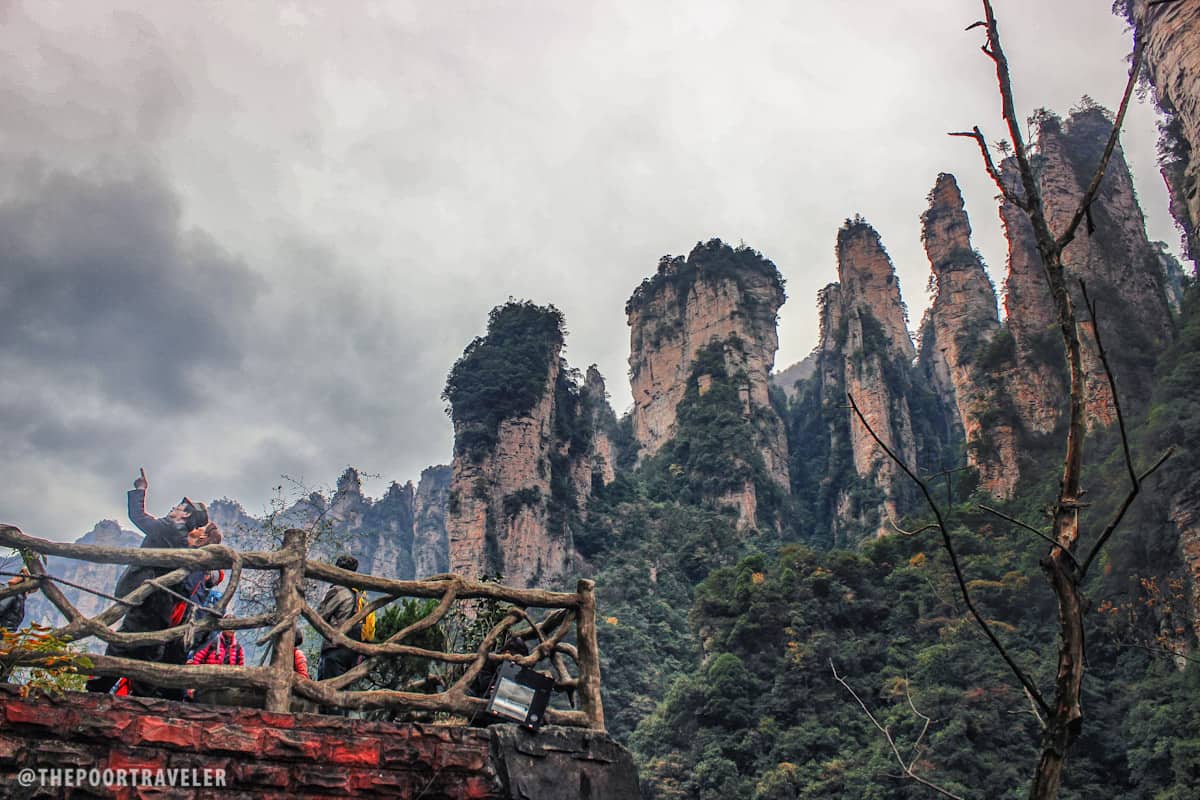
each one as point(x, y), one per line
point(1112, 381)
point(958, 573)
point(924, 728)
point(994, 51)
point(907, 768)
point(930, 527)
point(988, 164)
point(1125, 504)
point(1163, 650)
point(1034, 710)
point(1029, 528)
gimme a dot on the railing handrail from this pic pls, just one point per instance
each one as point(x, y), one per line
point(279, 679)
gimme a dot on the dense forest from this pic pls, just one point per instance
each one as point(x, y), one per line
point(721, 649)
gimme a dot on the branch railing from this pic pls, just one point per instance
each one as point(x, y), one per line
point(565, 613)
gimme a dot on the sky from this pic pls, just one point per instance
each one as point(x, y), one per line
point(241, 241)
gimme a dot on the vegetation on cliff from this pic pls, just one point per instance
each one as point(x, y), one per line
point(709, 261)
point(714, 450)
point(760, 715)
point(503, 374)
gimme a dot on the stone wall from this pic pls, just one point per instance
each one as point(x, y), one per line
point(265, 755)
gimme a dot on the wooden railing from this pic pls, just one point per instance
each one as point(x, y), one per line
point(278, 679)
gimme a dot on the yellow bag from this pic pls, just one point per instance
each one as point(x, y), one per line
point(366, 633)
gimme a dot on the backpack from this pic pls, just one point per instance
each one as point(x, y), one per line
point(366, 633)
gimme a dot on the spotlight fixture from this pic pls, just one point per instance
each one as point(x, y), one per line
point(520, 695)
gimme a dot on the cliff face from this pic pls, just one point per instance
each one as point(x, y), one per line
point(716, 297)
point(603, 464)
point(864, 350)
point(380, 533)
point(876, 338)
point(524, 460)
point(431, 545)
point(962, 340)
point(1173, 66)
point(1122, 268)
point(1172, 62)
point(489, 536)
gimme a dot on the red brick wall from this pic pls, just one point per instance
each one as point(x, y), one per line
point(264, 755)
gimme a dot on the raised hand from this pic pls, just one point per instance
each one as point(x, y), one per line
point(140, 481)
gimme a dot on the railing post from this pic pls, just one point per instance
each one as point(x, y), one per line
point(589, 655)
point(287, 603)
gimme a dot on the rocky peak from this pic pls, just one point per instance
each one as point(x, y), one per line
point(603, 421)
point(1123, 271)
point(945, 229)
point(960, 348)
point(431, 545)
point(514, 411)
point(869, 283)
point(718, 296)
point(348, 504)
point(102, 577)
point(350, 483)
point(108, 532)
point(594, 383)
point(802, 370)
point(865, 350)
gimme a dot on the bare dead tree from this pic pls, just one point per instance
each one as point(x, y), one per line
point(1065, 564)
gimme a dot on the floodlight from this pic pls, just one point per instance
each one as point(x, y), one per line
point(519, 694)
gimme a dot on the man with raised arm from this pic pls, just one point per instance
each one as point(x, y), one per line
point(183, 525)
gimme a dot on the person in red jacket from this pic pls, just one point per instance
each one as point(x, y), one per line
point(224, 649)
point(300, 661)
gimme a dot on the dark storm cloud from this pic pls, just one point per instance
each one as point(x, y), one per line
point(101, 281)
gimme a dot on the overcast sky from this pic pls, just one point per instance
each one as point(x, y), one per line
point(240, 240)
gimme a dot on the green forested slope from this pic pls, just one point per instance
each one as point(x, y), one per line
point(720, 647)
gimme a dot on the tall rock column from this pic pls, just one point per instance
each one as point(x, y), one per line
point(378, 533)
point(846, 482)
point(1172, 59)
point(874, 341)
point(529, 438)
point(1123, 270)
point(962, 343)
point(603, 463)
point(431, 544)
point(718, 297)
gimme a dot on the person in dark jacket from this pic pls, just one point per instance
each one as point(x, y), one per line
point(154, 613)
point(338, 606)
point(12, 608)
point(195, 587)
point(12, 614)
